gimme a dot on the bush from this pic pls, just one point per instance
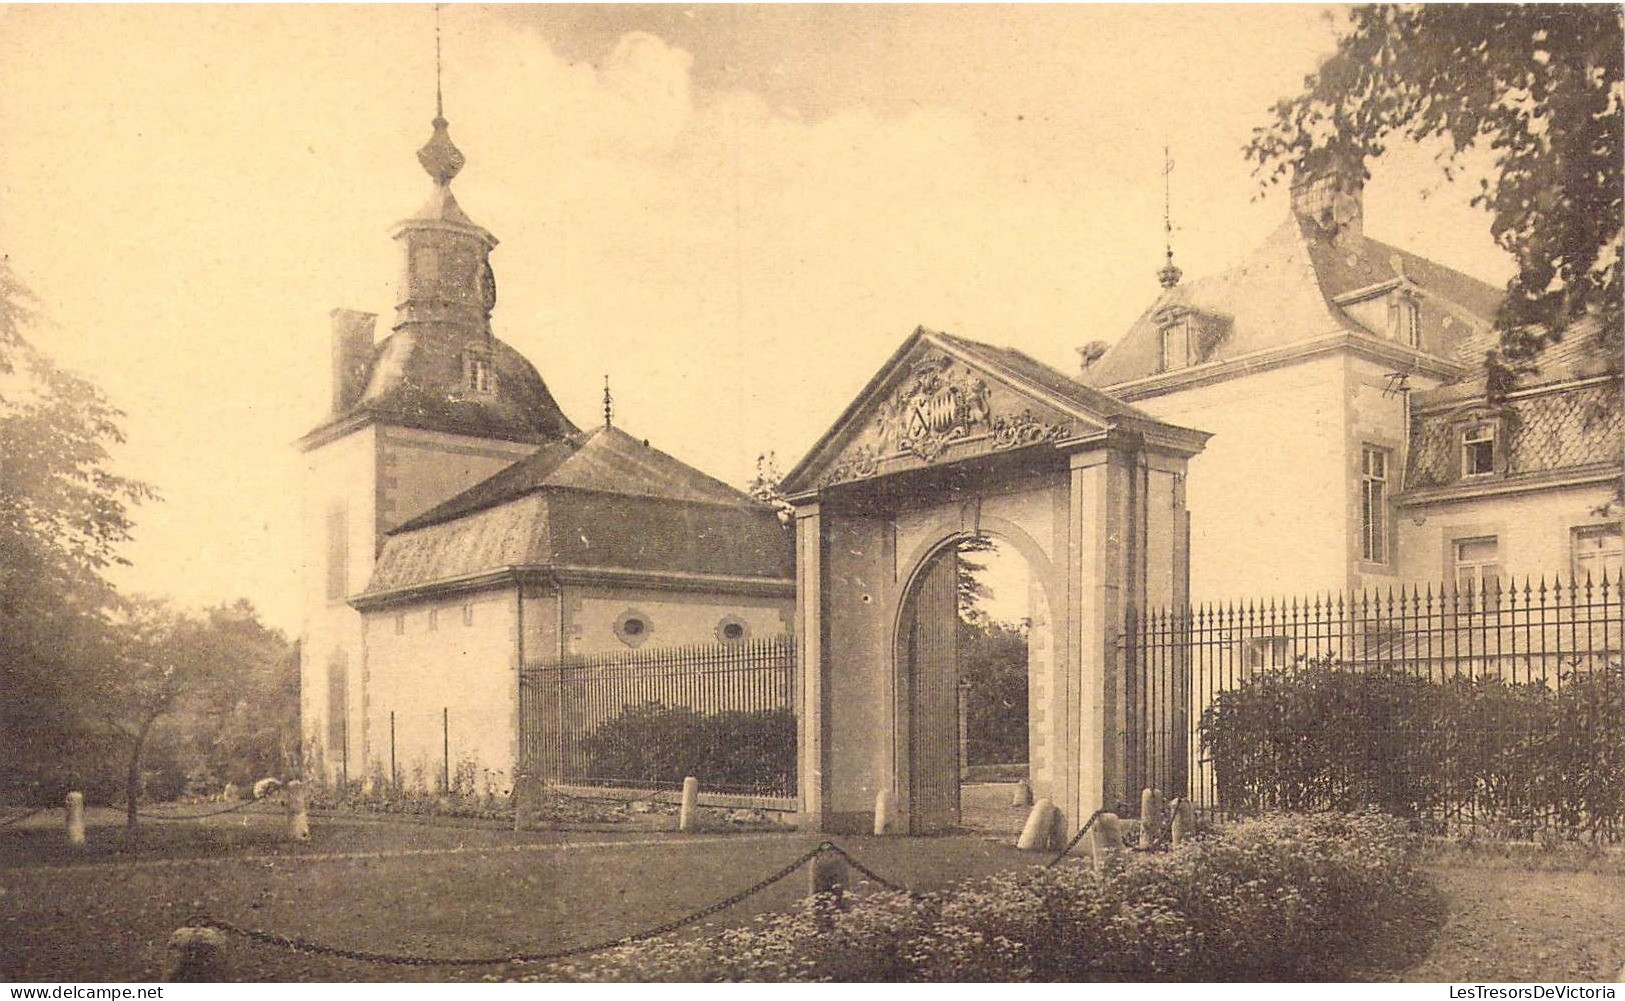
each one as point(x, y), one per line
point(1514, 756)
point(1288, 897)
point(660, 745)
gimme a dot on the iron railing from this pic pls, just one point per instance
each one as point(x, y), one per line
point(1494, 711)
point(724, 713)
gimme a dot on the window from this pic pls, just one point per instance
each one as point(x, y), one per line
point(1478, 573)
point(632, 627)
point(1175, 346)
point(434, 619)
point(400, 623)
point(338, 555)
point(477, 376)
point(1266, 653)
point(1374, 504)
point(338, 703)
point(732, 629)
point(468, 613)
point(1405, 320)
point(1478, 450)
point(1598, 553)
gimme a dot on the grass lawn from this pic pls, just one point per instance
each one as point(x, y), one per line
point(104, 912)
point(421, 889)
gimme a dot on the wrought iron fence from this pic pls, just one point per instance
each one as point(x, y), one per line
point(723, 713)
point(1500, 711)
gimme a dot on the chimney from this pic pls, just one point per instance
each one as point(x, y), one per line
point(1327, 195)
point(352, 352)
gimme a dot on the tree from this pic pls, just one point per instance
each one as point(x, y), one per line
point(765, 486)
point(1540, 85)
point(63, 516)
point(221, 684)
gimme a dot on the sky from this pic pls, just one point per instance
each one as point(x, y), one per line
point(736, 212)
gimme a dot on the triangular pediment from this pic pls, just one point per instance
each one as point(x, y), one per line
point(942, 399)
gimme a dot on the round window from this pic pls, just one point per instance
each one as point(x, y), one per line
point(632, 627)
point(732, 629)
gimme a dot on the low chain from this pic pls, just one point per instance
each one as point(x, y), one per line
point(245, 804)
point(295, 944)
point(864, 870)
point(1075, 839)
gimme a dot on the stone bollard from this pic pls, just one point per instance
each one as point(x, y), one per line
point(1153, 811)
point(827, 874)
point(885, 812)
point(196, 956)
point(688, 813)
point(1184, 826)
point(1106, 839)
point(1022, 795)
point(76, 818)
point(1039, 829)
point(298, 815)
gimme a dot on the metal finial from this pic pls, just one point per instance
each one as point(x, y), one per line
point(609, 407)
point(1168, 275)
point(440, 156)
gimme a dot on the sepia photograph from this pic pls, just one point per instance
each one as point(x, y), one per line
point(812, 493)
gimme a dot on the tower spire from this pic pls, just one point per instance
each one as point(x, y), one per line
point(1168, 275)
point(439, 110)
point(440, 156)
point(609, 408)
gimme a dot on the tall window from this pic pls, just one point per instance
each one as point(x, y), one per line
point(338, 555)
point(477, 372)
point(338, 703)
point(1599, 552)
point(1478, 450)
point(1405, 320)
point(1374, 504)
point(1478, 572)
point(1175, 346)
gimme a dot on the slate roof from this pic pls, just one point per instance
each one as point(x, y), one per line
point(416, 379)
point(1285, 292)
point(608, 502)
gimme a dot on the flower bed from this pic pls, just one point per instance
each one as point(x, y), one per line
point(1281, 898)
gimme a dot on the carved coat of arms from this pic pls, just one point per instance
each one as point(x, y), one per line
point(935, 407)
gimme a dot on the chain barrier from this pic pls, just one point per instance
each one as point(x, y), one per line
point(1052, 863)
point(245, 804)
point(25, 815)
point(862, 869)
point(295, 944)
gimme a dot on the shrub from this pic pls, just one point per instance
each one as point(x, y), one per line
point(660, 745)
point(1517, 756)
point(1287, 897)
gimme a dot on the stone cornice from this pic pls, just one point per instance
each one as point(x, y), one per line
point(1577, 476)
point(1419, 362)
point(766, 587)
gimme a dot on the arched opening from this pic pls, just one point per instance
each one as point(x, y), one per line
point(974, 655)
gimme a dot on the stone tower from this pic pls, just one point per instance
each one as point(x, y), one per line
point(435, 407)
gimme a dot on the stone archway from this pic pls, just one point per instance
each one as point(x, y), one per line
point(953, 438)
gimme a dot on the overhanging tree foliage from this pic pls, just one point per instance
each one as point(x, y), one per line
point(1540, 85)
point(63, 516)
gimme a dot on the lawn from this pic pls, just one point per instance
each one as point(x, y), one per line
point(419, 889)
point(105, 911)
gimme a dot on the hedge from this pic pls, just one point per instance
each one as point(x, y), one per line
point(736, 751)
point(1516, 756)
point(1285, 898)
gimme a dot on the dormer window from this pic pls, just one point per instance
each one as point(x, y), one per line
point(1175, 331)
point(478, 376)
point(1478, 449)
point(1405, 320)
